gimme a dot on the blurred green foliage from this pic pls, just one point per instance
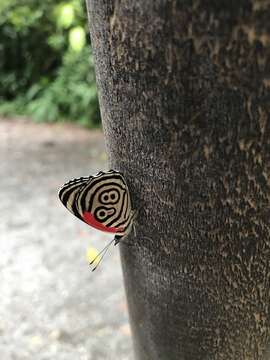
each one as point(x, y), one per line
point(46, 65)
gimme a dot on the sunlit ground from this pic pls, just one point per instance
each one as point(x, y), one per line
point(52, 306)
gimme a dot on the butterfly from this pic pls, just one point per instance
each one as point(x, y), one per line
point(101, 201)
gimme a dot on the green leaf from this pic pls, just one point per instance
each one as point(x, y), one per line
point(65, 15)
point(77, 38)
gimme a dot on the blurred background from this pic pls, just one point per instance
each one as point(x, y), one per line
point(51, 305)
point(46, 64)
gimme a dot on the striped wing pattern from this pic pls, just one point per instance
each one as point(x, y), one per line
point(102, 201)
point(69, 192)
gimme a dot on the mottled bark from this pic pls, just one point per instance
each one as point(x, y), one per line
point(184, 94)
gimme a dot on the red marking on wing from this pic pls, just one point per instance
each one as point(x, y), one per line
point(90, 220)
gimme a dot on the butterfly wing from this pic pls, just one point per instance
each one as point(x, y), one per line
point(102, 201)
point(69, 192)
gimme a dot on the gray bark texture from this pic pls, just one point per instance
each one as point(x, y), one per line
point(184, 94)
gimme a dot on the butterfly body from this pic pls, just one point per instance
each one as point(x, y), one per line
point(102, 201)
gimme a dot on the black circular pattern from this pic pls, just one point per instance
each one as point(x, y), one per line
point(109, 196)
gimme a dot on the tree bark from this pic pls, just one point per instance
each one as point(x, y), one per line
point(184, 95)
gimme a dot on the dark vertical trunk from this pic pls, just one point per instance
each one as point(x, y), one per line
point(184, 94)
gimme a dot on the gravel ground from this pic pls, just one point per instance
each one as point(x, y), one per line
point(52, 306)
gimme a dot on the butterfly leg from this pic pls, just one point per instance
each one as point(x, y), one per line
point(121, 238)
point(134, 230)
point(117, 239)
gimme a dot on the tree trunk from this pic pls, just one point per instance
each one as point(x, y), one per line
point(184, 95)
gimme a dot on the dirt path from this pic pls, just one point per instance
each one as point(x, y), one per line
point(52, 307)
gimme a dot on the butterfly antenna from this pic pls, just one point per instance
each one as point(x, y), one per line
point(103, 252)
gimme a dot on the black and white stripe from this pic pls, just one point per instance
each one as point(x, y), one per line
point(69, 192)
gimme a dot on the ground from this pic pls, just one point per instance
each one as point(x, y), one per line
point(52, 306)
